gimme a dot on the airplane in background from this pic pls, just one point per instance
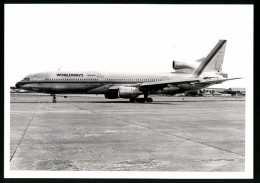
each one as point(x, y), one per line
point(185, 77)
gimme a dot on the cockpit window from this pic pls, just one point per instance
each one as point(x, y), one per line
point(26, 79)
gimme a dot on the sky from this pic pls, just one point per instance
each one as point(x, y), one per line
point(127, 38)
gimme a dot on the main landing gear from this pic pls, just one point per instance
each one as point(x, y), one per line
point(141, 100)
point(54, 98)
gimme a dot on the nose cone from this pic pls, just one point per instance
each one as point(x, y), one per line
point(18, 85)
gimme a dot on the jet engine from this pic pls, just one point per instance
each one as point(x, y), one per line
point(181, 65)
point(123, 92)
point(225, 75)
point(128, 92)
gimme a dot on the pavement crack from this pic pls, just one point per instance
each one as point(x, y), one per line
point(160, 131)
point(25, 132)
point(202, 143)
point(79, 108)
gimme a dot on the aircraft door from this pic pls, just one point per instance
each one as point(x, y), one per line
point(165, 78)
point(101, 80)
point(39, 80)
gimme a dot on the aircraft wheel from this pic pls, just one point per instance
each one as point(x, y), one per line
point(132, 100)
point(54, 98)
point(149, 100)
point(140, 100)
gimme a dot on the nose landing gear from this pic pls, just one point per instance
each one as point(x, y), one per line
point(54, 98)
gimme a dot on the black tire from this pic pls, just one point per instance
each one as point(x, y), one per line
point(140, 100)
point(150, 100)
point(132, 100)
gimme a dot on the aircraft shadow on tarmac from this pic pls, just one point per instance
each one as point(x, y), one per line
point(108, 102)
point(64, 102)
point(126, 102)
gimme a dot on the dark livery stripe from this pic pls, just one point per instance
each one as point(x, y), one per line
point(209, 57)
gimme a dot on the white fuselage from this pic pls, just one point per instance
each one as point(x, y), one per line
point(95, 82)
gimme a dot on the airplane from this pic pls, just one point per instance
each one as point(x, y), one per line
point(232, 92)
point(185, 77)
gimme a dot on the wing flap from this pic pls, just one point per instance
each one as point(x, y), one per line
point(162, 84)
point(167, 82)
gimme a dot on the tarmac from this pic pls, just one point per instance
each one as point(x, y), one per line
point(91, 133)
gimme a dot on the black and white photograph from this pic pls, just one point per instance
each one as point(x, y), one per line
point(128, 91)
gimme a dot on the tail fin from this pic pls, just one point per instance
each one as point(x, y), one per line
point(214, 60)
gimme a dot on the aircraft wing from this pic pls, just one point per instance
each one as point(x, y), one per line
point(162, 84)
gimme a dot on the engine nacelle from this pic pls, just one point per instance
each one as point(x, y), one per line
point(181, 65)
point(128, 92)
point(225, 75)
point(123, 92)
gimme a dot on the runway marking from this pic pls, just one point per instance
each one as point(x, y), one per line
point(185, 138)
point(200, 110)
point(81, 109)
point(20, 112)
point(24, 132)
point(176, 136)
point(121, 111)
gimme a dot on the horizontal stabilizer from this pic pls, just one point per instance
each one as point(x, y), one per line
point(218, 81)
